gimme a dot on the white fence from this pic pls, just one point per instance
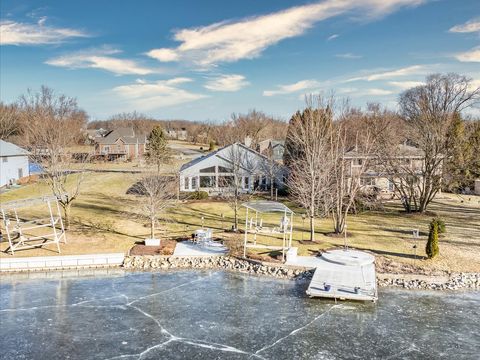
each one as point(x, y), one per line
point(61, 262)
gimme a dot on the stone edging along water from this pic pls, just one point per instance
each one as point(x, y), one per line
point(455, 281)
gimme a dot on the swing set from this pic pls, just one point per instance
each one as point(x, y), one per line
point(255, 225)
point(23, 234)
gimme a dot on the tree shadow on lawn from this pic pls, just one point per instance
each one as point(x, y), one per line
point(408, 232)
point(391, 253)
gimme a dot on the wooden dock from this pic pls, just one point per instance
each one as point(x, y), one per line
point(344, 275)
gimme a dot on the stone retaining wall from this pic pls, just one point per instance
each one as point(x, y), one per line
point(407, 281)
point(216, 262)
point(411, 281)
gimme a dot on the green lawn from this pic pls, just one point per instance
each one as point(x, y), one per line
point(106, 219)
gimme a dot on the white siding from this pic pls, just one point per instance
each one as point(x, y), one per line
point(9, 170)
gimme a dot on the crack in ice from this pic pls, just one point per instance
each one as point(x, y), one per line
point(164, 291)
point(293, 332)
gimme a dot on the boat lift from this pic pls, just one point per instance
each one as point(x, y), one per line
point(30, 234)
point(255, 225)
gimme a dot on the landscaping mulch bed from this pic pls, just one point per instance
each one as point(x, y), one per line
point(167, 246)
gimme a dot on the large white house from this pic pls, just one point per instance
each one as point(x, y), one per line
point(13, 163)
point(214, 172)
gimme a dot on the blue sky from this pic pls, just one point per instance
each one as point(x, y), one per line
point(204, 60)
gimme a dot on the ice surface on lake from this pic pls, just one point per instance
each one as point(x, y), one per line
point(221, 315)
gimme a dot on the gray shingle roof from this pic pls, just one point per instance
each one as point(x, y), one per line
point(9, 149)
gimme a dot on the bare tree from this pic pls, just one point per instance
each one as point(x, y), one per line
point(428, 111)
point(53, 125)
point(237, 181)
point(157, 193)
point(308, 141)
point(347, 166)
point(9, 124)
point(326, 163)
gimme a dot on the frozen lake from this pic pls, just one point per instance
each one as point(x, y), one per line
point(221, 315)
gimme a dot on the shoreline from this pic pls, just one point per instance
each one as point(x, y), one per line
point(410, 281)
point(446, 282)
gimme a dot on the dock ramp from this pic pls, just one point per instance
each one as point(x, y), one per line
point(344, 275)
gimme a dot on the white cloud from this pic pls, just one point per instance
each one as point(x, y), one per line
point(248, 38)
point(472, 55)
point(376, 92)
point(404, 85)
point(15, 33)
point(164, 55)
point(100, 59)
point(233, 82)
point(291, 88)
point(348, 56)
point(144, 95)
point(470, 26)
point(331, 37)
point(391, 74)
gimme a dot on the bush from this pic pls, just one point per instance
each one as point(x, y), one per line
point(196, 195)
point(432, 249)
point(211, 145)
point(283, 191)
point(440, 224)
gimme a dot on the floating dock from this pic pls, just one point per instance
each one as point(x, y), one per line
point(344, 275)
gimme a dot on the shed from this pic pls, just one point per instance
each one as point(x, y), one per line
point(13, 163)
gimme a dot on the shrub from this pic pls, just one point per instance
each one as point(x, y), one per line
point(432, 249)
point(198, 195)
point(211, 145)
point(440, 224)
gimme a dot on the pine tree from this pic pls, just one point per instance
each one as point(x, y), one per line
point(158, 152)
point(432, 249)
point(456, 159)
point(211, 145)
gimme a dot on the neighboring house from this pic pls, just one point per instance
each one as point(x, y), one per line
point(375, 177)
point(91, 135)
point(13, 163)
point(274, 148)
point(177, 134)
point(214, 172)
point(477, 187)
point(121, 143)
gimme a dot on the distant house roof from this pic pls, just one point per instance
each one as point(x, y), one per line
point(218, 153)
point(127, 135)
point(199, 159)
point(9, 149)
point(402, 150)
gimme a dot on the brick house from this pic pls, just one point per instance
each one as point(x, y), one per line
point(121, 144)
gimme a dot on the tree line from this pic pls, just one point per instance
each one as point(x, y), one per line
point(423, 148)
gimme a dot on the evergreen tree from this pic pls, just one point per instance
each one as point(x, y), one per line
point(456, 163)
point(211, 145)
point(158, 152)
point(432, 249)
point(473, 160)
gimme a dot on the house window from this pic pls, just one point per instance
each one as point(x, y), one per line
point(106, 149)
point(357, 162)
point(369, 181)
point(391, 186)
point(207, 181)
point(20, 173)
point(194, 183)
point(186, 183)
point(222, 169)
point(5, 159)
point(246, 182)
point(225, 181)
point(210, 169)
